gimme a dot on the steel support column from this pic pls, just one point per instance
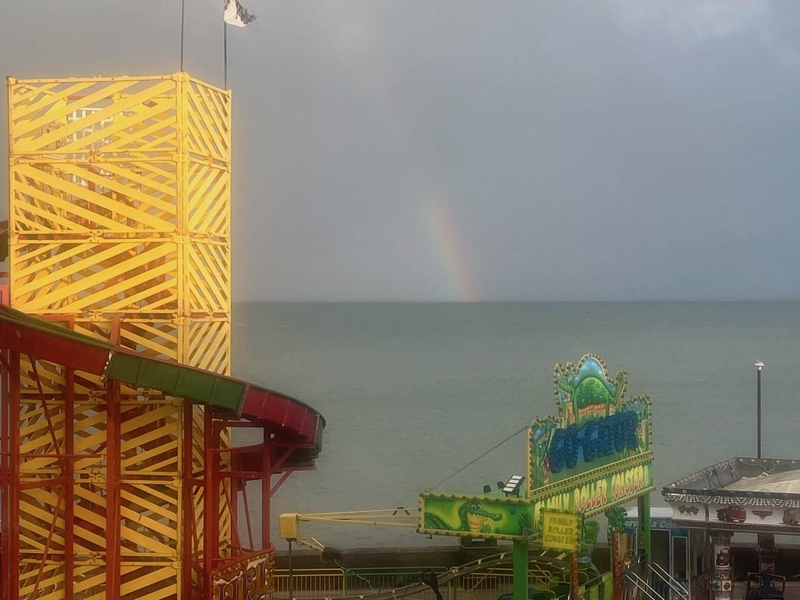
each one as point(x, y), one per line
point(113, 477)
point(266, 491)
point(644, 527)
point(520, 570)
point(211, 499)
point(616, 564)
point(69, 487)
point(11, 531)
point(574, 584)
point(188, 524)
point(5, 520)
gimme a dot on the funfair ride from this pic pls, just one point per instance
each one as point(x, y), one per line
point(591, 458)
point(118, 477)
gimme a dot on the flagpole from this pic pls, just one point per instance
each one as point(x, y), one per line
point(183, 15)
point(225, 52)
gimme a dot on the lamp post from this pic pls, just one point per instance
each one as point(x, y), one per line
point(759, 366)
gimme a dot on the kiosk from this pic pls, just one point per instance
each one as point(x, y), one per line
point(739, 495)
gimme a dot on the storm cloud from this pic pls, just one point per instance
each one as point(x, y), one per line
point(480, 150)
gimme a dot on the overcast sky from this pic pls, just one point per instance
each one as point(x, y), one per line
point(480, 150)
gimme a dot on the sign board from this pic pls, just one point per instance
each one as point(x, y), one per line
point(596, 454)
point(611, 487)
point(561, 530)
point(595, 427)
point(483, 517)
point(741, 513)
point(508, 518)
point(632, 525)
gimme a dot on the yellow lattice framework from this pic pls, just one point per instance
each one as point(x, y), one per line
point(119, 225)
point(120, 205)
point(151, 513)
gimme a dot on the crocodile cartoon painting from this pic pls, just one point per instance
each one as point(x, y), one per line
point(471, 517)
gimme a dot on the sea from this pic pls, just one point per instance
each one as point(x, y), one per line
point(412, 393)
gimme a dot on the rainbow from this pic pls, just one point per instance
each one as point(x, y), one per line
point(450, 251)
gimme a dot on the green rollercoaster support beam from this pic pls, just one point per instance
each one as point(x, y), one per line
point(520, 570)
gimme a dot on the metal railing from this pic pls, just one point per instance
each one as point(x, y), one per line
point(312, 583)
point(480, 581)
point(651, 581)
point(635, 582)
point(677, 588)
point(340, 583)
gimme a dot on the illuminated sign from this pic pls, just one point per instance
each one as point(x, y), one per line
point(598, 438)
point(596, 454)
point(499, 518)
point(247, 579)
point(595, 427)
point(561, 530)
point(509, 518)
point(601, 494)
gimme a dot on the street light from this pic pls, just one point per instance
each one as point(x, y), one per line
point(759, 366)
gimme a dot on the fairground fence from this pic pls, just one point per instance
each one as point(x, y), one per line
point(486, 584)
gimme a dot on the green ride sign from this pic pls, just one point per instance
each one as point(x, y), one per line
point(598, 495)
point(517, 518)
point(595, 426)
point(499, 518)
point(594, 455)
point(561, 530)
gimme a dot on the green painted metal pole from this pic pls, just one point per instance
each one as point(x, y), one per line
point(521, 570)
point(644, 526)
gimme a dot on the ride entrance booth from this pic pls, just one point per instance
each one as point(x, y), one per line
point(591, 458)
point(737, 496)
point(670, 546)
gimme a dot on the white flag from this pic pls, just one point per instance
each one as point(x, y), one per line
point(235, 14)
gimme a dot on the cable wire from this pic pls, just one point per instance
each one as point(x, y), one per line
point(472, 462)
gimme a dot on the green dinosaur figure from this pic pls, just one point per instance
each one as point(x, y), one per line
point(591, 530)
point(583, 392)
point(471, 516)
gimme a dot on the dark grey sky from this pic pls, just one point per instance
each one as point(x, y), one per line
point(480, 150)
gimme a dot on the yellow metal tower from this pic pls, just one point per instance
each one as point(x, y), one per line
point(119, 226)
point(120, 205)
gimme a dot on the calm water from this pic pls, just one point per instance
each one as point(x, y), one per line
point(412, 392)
